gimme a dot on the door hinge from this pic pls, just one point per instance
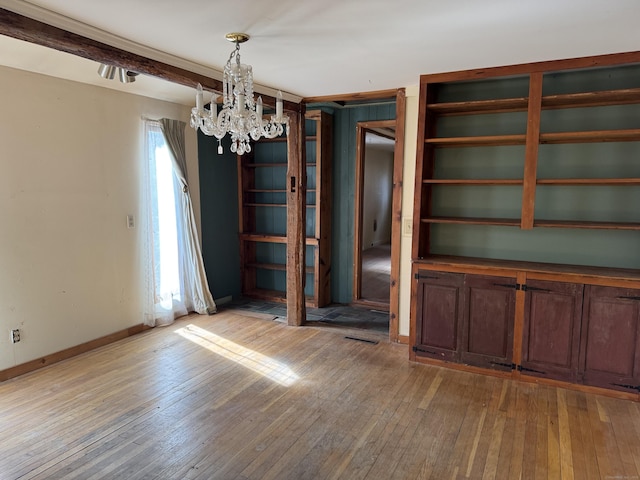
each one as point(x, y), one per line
point(629, 298)
point(527, 288)
point(423, 350)
point(520, 368)
point(630, 387)
point(521, 287)
point(418, 276)
point(512, 366)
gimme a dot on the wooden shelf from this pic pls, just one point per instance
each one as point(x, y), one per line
point(474, 107)
point(483, 141)
point(283, 138)
point(261, 197)
point(274, 266)
point(509, 222)
point(461, 181)
point(502, 267)
point(273, 205)
point(265, 190)
point(586, 224)
point(270, 190)
point(589, 181)
point(594, 136)
point(592, 99)
point(269, 238)
point(258, 165)
point(520, 104)
point(265, 204)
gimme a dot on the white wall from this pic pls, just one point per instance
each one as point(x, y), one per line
point(377, 196)
point(408, 187)
point(69, 175)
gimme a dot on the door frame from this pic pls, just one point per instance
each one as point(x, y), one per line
point(383, 128)
point(396, 209)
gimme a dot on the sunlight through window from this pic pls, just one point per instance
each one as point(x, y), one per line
point(265, 366)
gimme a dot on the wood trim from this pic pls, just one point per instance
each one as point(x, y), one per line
point(33, 31)
point(518, 326)
point(413, 311)
point(70, 352)
point(396, 219)
point(296, 223)
point(531, 152)
point(629, 135)
point(526, 68)
point(539, 271)
point(403, 339)
point(361, 133)
point(479, 141)
point(479, 181)
point(424, 158)
point(529, 379)
point(324, 155)
point(352, 97)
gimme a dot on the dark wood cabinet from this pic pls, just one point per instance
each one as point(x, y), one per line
point(440, 303)
point(571, 332)
point(610, 344)
point(551, 333)
point(487, 333)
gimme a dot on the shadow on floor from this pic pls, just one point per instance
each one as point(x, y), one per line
point(334, 315)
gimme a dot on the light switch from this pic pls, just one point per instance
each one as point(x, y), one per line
point(407, 227)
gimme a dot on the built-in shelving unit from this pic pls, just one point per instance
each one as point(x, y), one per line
point(530, 170)
point(262, 188)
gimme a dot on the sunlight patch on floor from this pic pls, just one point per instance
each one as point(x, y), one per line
point(257, 362)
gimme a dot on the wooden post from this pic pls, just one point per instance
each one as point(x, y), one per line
point(296, 219)
point(531, 151)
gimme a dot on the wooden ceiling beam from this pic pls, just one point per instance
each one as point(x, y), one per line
point(33, 31)
point(345, 98)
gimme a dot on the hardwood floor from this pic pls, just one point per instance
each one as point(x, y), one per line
point(234, 396)
point(376, 273)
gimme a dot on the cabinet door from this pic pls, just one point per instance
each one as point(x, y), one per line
point(610, 341)
point(551, 336)
point(438, 314)
point(487, 336)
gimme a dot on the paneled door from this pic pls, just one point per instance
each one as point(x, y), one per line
point(487, 331)
point(551, 335)
point(610, 343)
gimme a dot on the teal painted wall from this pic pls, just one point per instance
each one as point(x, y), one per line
point(218, 196)
point(343, 192)
point(219, 216)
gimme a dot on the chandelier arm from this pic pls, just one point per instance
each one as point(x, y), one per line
point(240, 115)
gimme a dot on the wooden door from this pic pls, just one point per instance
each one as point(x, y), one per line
point(487, 334)
point(551, 336)
point(610, 341)
point(439, 307)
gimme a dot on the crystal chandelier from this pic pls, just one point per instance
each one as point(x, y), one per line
point(241, 115)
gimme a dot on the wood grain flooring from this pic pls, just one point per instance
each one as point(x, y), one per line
point(232, 396)
point(376, 273)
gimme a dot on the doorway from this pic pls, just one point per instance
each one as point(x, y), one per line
point(374, 213)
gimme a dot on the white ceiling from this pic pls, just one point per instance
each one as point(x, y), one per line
point(327, 47)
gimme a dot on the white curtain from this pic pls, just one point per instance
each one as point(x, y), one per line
point(189, 291)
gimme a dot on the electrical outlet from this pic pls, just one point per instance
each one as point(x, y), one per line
point(131, 223)
point(15, 335)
